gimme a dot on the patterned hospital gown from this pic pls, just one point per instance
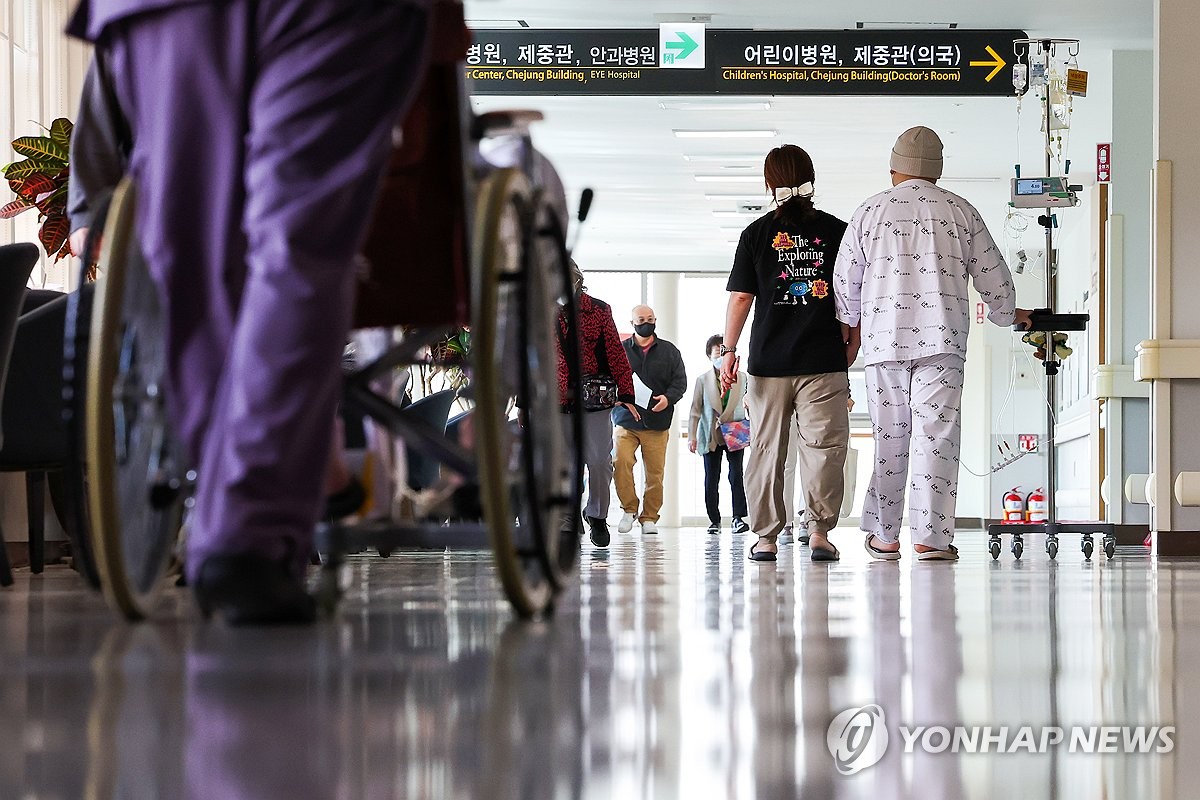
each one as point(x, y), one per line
point(903, 268)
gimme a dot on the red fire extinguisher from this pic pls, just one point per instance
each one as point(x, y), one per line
point(1037, 506)
point(1014, 506)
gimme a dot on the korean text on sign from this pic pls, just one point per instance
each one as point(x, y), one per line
point(911, 55)
point(486, 54)
point(624, 57)
point(792, 55)
point(547, 55)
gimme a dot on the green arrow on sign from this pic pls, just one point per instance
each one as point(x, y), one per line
point(686, 45)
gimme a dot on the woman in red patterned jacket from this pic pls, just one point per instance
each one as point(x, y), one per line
point(601, 353)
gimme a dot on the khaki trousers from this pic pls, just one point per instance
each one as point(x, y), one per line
point(819, 404)
point(654, 453)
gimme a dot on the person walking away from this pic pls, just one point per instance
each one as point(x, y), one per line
point(901, 281)
point(798, 354)
point(600, 353)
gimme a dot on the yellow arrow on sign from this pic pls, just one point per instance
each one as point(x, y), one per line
point(996, 62)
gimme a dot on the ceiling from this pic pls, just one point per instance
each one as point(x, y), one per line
point(650, 211)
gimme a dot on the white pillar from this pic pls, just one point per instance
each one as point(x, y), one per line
point(1172, 358)
point(664, 299)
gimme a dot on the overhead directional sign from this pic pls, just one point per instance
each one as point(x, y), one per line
point(678, 47)
point(686, 59)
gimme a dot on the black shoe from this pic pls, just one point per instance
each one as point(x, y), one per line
point(345, 502)
point(249, 589)
point(714, 527)
point(739, 525)
point(599, 531)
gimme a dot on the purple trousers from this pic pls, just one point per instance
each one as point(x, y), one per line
point(261, 129)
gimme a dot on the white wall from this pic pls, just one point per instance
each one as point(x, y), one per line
point(41, 76)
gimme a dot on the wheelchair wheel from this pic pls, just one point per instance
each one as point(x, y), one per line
point(527, 459)
point(134, 464)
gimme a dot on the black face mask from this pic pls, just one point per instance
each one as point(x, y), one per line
point(645, 330)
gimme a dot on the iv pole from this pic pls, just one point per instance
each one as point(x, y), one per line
point(1047, 321)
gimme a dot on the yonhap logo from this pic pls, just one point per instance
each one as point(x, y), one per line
point(857, 738)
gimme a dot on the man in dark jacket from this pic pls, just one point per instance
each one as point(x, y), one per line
point(658, 365)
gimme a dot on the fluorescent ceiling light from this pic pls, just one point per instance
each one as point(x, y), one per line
point(497, 23)
point(728, 178)
point(715, 105)
point(723, 196)
point(735, 213)
point(719, 158)
point(713, 134)
point(908, 26)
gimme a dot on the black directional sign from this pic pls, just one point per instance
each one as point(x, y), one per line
point(650, 62)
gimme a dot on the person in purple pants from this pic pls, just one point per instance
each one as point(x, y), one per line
point(260, 131)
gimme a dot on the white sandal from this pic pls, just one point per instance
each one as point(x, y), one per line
point(882, 555)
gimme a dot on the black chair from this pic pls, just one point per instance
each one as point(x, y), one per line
point(31, 413)
point(16, 265)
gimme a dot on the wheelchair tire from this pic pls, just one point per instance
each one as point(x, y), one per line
point(134, 464)
point(528, 481)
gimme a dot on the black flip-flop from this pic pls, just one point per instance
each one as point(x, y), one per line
point(765, 555)
point(824, 554)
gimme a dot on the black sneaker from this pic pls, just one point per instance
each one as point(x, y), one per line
point(599, 531)
point(739, 525)
point(714, 527)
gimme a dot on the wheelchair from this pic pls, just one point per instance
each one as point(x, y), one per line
point(454, 243)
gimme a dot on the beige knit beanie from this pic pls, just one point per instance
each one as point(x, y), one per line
point(918, 152)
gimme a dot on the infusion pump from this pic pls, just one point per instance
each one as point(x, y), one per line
point(1043, 193)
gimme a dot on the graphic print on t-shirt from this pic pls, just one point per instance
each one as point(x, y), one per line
point(800, 262)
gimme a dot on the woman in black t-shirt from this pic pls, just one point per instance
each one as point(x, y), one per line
point(798, 354)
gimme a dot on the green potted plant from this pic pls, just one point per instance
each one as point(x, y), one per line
point(39, 181)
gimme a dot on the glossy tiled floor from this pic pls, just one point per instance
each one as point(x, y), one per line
point(677, 670)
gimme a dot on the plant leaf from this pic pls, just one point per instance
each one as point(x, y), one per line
point(28, 166)
point(54, 233)
point(38, 183)
point(10, 210)
point(63, 251)
point(60, 132)
point(42, 148)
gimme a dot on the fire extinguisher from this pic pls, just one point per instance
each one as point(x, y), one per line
point(1014, 506)
point(1037, 505)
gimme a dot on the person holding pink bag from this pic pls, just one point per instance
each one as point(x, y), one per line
point(712, 409)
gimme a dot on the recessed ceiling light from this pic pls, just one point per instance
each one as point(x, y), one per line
point(728, 178)
point(715, 105)
point(714, 134)
point(720, 158)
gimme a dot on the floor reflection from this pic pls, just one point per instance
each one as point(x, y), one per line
point(678, 670)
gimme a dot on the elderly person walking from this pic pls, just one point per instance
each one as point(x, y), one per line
point(901, 285)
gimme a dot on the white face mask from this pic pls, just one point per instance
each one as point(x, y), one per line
point(716, 362)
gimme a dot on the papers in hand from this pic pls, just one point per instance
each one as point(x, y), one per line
point(641, 393)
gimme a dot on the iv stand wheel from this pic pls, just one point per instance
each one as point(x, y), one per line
point(994, 548)
point(1087, 545)
point(1052, 547)
point(1017, 547)
point(1110, 546)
